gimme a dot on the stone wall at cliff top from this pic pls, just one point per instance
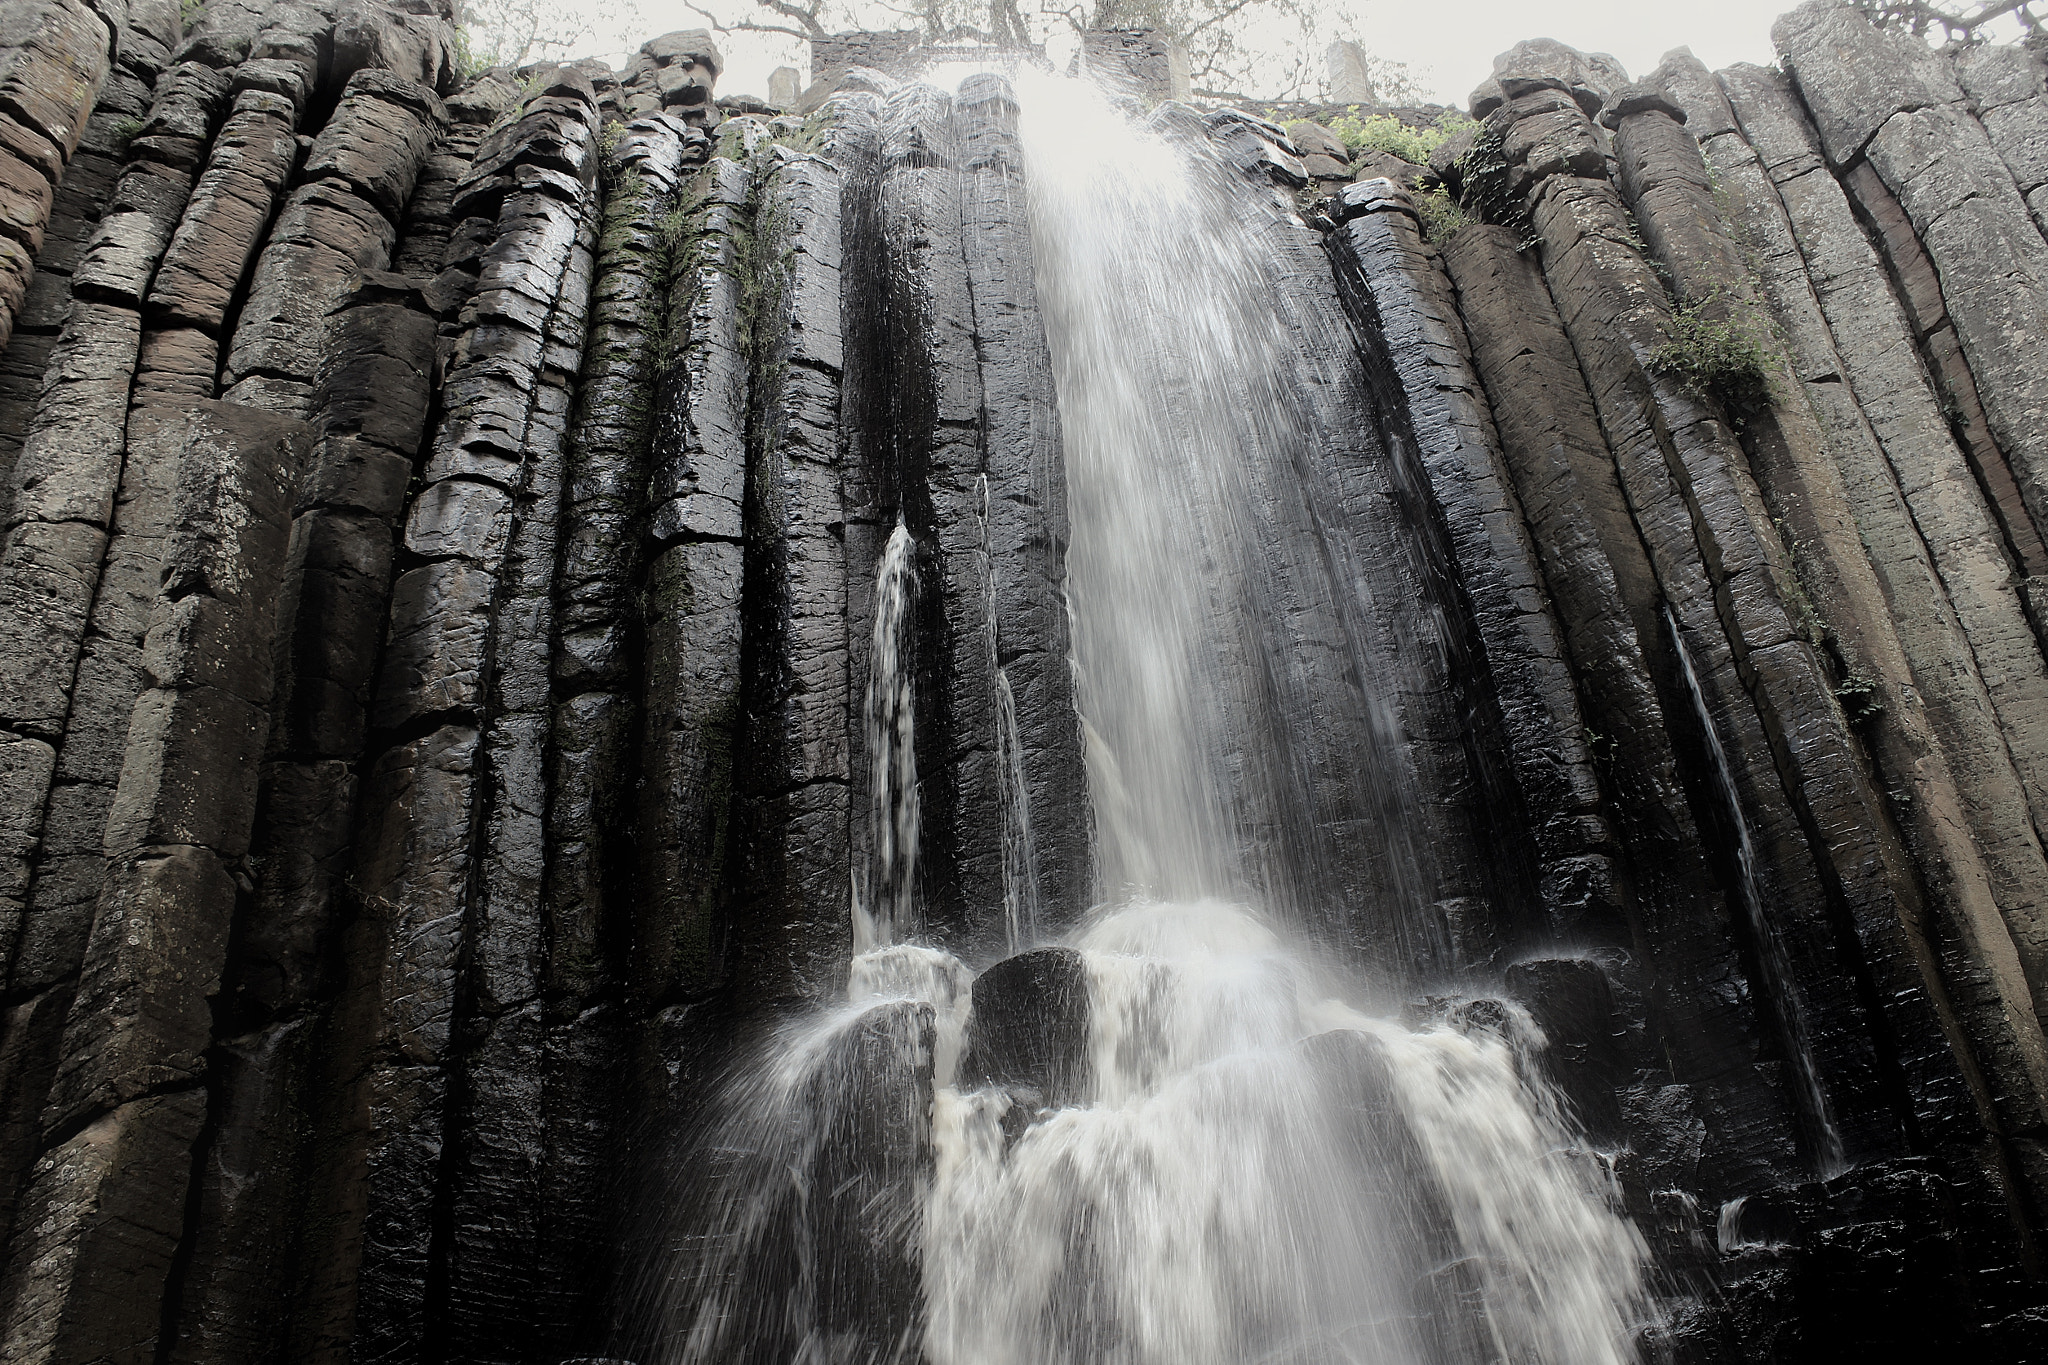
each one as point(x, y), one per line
point(437, 584)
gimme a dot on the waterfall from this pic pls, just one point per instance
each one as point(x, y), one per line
point(889, 907)
point(1176, 1135)
point(1782, 991)
point(1258, 1172)
point(1254, 1170)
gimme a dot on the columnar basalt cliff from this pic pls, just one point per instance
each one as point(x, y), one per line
point(439, 582)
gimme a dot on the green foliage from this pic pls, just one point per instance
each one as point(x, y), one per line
point(1439, 213)
point(124, 132)
point(808, 135)
point(189, 12)
point(469, 63)
point(1600, 748)
point(674, 236)
point(1385, 133)
point(1861, 700)
point(1727, 359)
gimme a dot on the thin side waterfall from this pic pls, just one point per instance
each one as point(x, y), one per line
point(1176, 1134)
point(889, 906)
point(1020, 853)
point(1786, 1004)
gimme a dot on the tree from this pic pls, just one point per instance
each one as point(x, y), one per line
point(515, 32)
point(1237, 49)
point(1953, 22)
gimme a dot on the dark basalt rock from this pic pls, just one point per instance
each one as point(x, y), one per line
point(436, 586)
point(1029, 1026)
point(1584, 1056)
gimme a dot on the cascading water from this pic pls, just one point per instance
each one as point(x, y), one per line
point(888, 901)
point(1258, 1173)
point(1199, 1152)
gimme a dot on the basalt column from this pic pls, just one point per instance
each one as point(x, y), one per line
point(1726, 580)
point(951, 428)
point(1909, 589)
point(1383, 748)
point(1813, 588)
point(1410, 323)
point(434, 954)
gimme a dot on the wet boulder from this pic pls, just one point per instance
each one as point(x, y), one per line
point(1572, 1001)
point(1030, 1026)
point(872, 1099)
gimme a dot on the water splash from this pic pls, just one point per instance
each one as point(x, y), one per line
point(1259, 1173)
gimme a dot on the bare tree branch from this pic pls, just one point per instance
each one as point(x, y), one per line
point(1272, 46)
point(1959, 22)
point(1228, 12)
point(719, 25)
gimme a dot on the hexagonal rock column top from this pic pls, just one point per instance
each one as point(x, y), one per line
point(676, 72)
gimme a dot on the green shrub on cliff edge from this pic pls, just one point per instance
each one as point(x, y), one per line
point(1726, 359)
point(1385, 133)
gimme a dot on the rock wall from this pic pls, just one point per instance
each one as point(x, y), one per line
point(436, 601)
point(1798, 618)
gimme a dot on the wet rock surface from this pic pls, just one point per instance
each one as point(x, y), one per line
point(437, 591)
point(1029, 1027)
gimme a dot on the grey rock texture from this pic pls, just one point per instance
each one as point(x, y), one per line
point(1145, 63)
point(1828, 577)
point(438, 580)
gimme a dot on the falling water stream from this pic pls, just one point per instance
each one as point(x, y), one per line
point(1773, 963)
point(1253, 1167)
point(886, 902)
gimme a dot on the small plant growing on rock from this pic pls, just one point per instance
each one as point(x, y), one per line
point(1726, 359)
point(1439, 213)
point(1861, 700)
point(1484, 169)
point(469, 63)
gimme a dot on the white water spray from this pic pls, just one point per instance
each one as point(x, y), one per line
point(1262, 1173)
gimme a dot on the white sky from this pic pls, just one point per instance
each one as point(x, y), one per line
point(1450, 43)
